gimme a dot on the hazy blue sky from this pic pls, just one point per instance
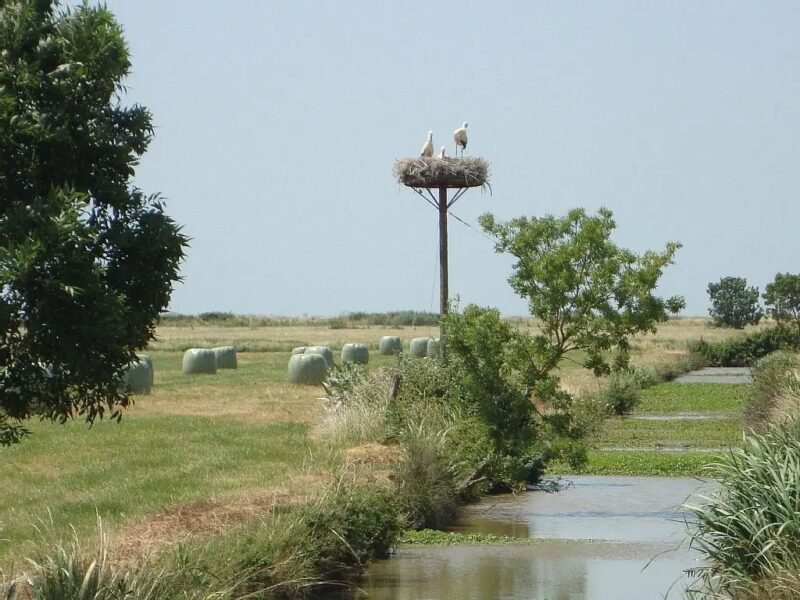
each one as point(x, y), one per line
point(278, 124)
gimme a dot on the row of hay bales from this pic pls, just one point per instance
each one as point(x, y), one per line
point(208, 360)
point(311, 364)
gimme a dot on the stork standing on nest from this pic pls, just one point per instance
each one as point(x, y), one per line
point(460, 138)
point(427, 149)
point(442, 155)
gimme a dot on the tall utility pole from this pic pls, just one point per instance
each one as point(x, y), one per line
point(444, 286)
point(425, 174)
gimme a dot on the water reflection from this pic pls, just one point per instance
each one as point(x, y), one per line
point(606, 537)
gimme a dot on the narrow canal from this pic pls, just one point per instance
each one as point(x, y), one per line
point(599, 538)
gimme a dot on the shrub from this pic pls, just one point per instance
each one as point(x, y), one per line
point(733, 304)
point(351, 524)
point(750, 529)
point(744, 350)
point(425, 481)
point(623, 394)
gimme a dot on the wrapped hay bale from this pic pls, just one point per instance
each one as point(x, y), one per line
point(137, 377)
point(226, 357)
point(324, 351)
point(434, 348)
point(355, 353)
point(390, 344)
point(311, 369)
point(299, 350)
point(199, 360)
point(419, 347)
point(146, 358)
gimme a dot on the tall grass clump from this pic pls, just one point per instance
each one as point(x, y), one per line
point(74, 572)
point(749, 531)
point(776, 381)
point(294, 552)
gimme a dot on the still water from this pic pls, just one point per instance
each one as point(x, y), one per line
point(601, 538)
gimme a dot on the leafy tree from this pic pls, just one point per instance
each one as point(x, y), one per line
point(733, 304)
point(782, 298)
point(86, 260)
point(589, 297)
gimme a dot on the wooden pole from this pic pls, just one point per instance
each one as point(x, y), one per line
point(443, 280)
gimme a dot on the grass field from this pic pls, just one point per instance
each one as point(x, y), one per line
point(206, 450)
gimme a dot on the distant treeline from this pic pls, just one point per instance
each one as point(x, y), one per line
point(401, 318)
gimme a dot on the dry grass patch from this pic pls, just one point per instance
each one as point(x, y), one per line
point(270, 404)
point(173, 525)
point(373, 454)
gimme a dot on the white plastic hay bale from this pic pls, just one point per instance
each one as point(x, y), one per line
point(419, 347)
point(311, 369)
point(324, 351)
point(355, 353)
point(146, 358)
point(137, 377)
point(199, 360)
point(390, 344)
point(226, 357)
point(299, 350)
point(434, 348)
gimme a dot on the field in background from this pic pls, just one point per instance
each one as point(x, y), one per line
point(204, 450)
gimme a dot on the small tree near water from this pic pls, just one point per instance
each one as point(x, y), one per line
point(733, 304)
point(87, 261)
point(589, 297)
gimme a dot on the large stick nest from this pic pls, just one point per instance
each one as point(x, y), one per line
point(442, 172)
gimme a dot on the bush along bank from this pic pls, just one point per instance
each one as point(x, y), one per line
point(749, 531)
point(293, 552)
point(744, 350)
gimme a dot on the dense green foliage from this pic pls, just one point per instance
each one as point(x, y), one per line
point(590, 296)
point(782, 298)
point(744, 350)
point(733, 304)
point(86, 260)
point(750, 532)
point(588, 293)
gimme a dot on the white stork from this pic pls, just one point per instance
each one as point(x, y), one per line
point(442, 155)
point(427, 149)
point(460, 138)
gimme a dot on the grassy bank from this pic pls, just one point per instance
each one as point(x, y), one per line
point(207, 454)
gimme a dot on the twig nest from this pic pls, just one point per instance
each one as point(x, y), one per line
point(146, 358)
point(199, 360)
point(471, 171)
point(390, 344)
point(419, 347)
point(326, 352)
point(355, 353)
point(434, 348)
point(137, 378)
point(310, 369)
point(299, 350)
point(226, 357)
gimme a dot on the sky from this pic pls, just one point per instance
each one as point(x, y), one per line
point(278, 123)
